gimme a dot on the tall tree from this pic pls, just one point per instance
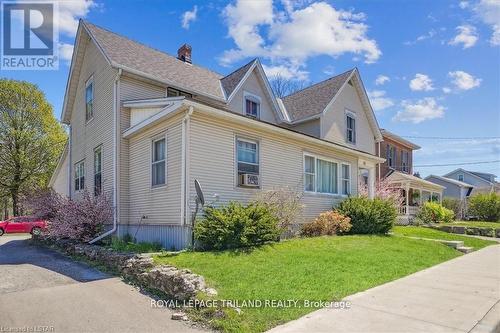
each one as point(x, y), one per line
point(282, 86)
point(31, 139)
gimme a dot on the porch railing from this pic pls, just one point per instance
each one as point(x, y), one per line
point(412, 210)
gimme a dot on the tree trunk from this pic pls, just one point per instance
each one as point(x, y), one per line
point(15, 209)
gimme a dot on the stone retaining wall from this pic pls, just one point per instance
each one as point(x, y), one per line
point(476, 231)
point(180, 284)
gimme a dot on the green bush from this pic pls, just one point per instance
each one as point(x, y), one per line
point(452, 204)
point(235, 226)
point(485, 207)
point(369, 216)
point(433, 212)
point(126, 244)
point(327, 223)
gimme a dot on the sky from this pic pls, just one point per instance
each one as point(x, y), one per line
point(431, 68)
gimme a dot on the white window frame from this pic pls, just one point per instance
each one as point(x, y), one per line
point(339, 174)
point(153, 162)
point(352, 115)
point(79, 173)
point(90, 81)
point(342, 179)
point(254, 98)
point(98, 148)
point(259, 164)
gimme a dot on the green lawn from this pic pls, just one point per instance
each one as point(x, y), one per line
point(478, 224)
point(323, 268)
point(424, 232)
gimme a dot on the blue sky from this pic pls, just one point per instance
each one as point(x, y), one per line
point(432, 68)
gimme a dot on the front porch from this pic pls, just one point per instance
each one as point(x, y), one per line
point(415, 192)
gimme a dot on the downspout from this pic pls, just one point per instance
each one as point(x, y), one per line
point(70, 164)
point(116, 94)
point(378, 164)
point(185, 166)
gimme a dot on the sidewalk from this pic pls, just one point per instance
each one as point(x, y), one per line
point(451, 297)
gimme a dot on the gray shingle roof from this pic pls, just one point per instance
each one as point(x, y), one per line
point(312, 100)
point(230, 82)
point(164, 67)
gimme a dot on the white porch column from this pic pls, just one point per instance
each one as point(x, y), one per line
point(371, 183)
point(407, 194)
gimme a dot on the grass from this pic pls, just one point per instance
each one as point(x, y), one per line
point(321, 268)
point(121, 245)
point(423, 232)
point(478, 224)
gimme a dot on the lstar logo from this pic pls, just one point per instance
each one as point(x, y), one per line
point(29, 37)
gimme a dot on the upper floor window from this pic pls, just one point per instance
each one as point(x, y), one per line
point(98, 171)
point(252, 105)
point(350, 128)
point(80, 176)
point(172, 92)
point(247, 156)
point(391, 156)
point(89, 99)
point(405, 163)
point(158, 168)
point(461, 177)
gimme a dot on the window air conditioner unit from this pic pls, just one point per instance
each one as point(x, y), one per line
point(249, 180)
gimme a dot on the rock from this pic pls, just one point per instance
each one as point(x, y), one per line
point(472, 231)
point(488, 232)
point(445, 228)
point(458, 230)
point(210, 292)
point(238, 310)
point(179, 316)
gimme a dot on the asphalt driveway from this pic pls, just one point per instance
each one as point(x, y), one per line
point(41, 288)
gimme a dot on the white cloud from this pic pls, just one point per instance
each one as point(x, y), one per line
point(286, 72)
point(329, 70)
point(463, 4)
point(290, 38)
point(381, 79)
point(188, 17)
point(65, 51)
point(69, 13)
point(431, 33)
point(423, 109)
point(446, 90)
point(379, 100)
point(489, 12)
point(464, 81)
point(421, 82)
point(467, 36)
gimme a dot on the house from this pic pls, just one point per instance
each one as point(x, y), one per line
point(398, 171)
point(144, 125)
point(481, 181)
point(453, 188)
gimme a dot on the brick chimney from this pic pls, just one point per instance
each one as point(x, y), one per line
point(184, 53)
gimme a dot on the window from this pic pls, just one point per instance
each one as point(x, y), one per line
point(322, 176)
point(79, 176)
point(247, 154)
point(158, 164)
point(89, 100)
point(252, 105)
point(351, 128)
point(405, 161)
point(461, 177)
point(391, 156)
point(346, 179)
point(172, 92)
point(97, 171)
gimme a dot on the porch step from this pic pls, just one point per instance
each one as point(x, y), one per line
point(453, 244)
point(465, 249)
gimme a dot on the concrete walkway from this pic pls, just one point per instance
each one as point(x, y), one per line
point(460, 295)
point(41, 288)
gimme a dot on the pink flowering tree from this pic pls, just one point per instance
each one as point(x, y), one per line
point(384, 190)
point(82, 219)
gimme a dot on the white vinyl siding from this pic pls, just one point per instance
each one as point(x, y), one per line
point(80, 176)
point(158, 167)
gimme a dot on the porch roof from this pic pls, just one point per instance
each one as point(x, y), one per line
point(414, 182)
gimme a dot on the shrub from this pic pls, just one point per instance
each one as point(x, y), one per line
point(327, 223)
point(433, 212)
point(485, 207)
point(45, 204)
point(235, 226)
point(453, 204)
point(369, 216)
point(285, 203)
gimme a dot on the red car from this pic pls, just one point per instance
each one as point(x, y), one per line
point(22, 224)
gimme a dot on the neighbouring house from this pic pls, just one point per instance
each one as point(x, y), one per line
point(454, 189)
point(144, 125)
point(481, 181)
point(398, 171)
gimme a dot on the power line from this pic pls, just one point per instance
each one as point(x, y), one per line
point(455, 164)
point(450, 138)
